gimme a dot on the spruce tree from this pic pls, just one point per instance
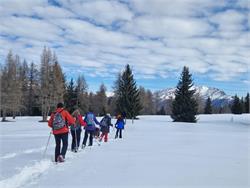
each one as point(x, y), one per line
point(127, 93)
point(242, 104)
point(246, 103)
point(236, 106)
point(184, 106)
point(208, 106)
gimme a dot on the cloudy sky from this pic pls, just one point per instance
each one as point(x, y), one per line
point(157, 38)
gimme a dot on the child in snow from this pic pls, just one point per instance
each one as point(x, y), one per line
point(76, 130)
point(60, 129)
point(119, 125)
point(90, 128)
point(105, 124)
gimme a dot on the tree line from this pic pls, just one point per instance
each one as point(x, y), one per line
point(32, 91)
point(27, 89)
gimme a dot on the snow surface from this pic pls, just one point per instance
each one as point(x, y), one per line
point(155, 152)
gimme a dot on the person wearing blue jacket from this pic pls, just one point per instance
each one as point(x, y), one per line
point(91, 122)
point(119, 125)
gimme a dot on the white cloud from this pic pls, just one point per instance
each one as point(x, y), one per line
point(156, 37)
point(50, 12)
point(148, 26)
point(23, 7)
point(29, 28)
point(176, 8)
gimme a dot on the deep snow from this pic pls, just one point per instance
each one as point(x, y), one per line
point(154, 152)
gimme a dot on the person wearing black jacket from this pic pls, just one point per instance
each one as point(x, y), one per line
point(105, 127)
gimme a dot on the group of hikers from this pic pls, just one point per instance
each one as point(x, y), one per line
point(61, 121)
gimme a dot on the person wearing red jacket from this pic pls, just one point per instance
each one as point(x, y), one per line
point(76, 130)
point(59, 121)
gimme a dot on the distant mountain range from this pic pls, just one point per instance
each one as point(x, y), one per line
point(218, 97)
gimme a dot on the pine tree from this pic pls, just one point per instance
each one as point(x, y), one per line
point(208, 106)
point(236, 106)
point(246, 104)
point(127, 93)
point(184, 106)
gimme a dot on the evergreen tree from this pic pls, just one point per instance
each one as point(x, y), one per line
point(242, 104)
point(236, 106)
point(208, 106)
point(70, 97)
point(33, 91)
point(81, 94)
point(127, 93)
point(91, 99)
point(58, 83)
point(246, 104)
point(184, 107)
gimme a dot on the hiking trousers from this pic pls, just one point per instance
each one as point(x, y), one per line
point(118, 131)
point(105, 135)
point(76, 138)
point(90, 133)
point(58, 151)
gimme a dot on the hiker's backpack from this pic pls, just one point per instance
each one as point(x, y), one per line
point(90, 119)
point(58, 121)
point(78, 125)
point(105, 121)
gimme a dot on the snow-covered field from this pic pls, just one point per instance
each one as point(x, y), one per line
point(155, 152)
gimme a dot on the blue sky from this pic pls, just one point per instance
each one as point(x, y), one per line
point(157, 38)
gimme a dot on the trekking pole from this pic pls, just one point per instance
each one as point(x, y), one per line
point(47, 145)
point(76, 146)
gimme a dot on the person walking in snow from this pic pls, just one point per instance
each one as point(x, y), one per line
point(119, 125)
point(90, 128)
point(59, 121)
point(105, 126)
point(76, 130)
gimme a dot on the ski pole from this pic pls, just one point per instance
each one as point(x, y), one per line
point(47, 144)
point(76, 146)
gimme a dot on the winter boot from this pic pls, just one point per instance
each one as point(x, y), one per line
point(60, 159)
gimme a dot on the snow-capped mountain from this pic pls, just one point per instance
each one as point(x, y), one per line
point(217, 96)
